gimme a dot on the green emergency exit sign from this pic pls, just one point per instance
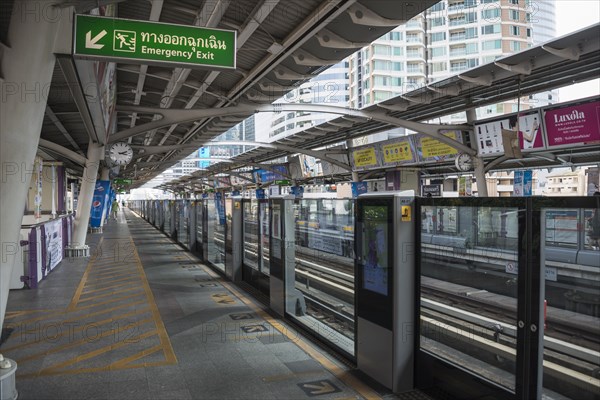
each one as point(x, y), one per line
point(153, 43)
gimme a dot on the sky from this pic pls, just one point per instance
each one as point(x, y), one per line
point(573, 15)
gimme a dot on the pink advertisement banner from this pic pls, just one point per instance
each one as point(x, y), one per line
point(578, 124)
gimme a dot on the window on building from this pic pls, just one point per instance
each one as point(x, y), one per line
point(381, 65)
point(489, 1)
point(438, 52)
point(440, 21)
point(436, 37)
point(491, 45)
point(413, 38)
point(515, 31)
point(514, 15)
point(439, 66)
point(470, 33)
point(412, 52)
point(381, 96)
point(515, 46)
point(438, 7)
point(396, 35)
point(397, 66)
point(471, 48)
point(490, 14)
point(397, 51)
point(490, 29)
point(382, 50)
point(514, 2)
point(470, 17)
point(379, 80)
point(528, 32)
point(414, 67)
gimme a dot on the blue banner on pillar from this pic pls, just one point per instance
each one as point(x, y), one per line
point(99, 203)
point(527, 182)
point(297, 191)
point(220, 206)
point(260, 194)
point(359, 188)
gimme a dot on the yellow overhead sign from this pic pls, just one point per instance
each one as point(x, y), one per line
point(434, 148)
point(365, 157)
point(396, 152)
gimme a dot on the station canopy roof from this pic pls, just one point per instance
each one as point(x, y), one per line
point(570, 59)
point(281, 44)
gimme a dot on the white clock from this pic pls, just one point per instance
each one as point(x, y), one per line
point(463, 162)
point(121, 153)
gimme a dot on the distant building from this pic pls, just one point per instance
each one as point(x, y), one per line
point(566, 183)
point(449, 38)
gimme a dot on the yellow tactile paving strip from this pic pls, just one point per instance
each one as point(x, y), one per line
point(111, 323)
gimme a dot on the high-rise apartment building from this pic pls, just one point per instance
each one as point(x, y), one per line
point(447, 39)
point(329, 87)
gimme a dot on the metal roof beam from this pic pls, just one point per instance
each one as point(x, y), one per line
point(63, 151)
point(329, 39)
point(180, 115)
point(209, 16)
point(570, 53)
point(362, 15)
point(523, 68)
point(155, 12)
point(63, 130)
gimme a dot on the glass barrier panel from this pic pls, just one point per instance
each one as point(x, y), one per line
point(571, 260)
point(216, 236)
point(167, 224)
point(199, 227)
point(265, 267)
point(324, 268)
point(251, 247)
point(468, 264)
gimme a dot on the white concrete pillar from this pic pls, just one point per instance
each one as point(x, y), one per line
point(86, 195)
point(349, 146)
point(105, 174)
point(478, 163)
point(27, 64)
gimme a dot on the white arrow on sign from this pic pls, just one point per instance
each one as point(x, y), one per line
point(92, 43)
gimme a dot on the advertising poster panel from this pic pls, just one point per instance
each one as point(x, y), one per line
point(364, 158)
point(397, 151)
point(54, 244)
point(99, 203)
point(489, 134)
point(574, 125)
point(430, 149)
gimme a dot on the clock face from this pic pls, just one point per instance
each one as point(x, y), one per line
point(121, 153)
point(463, 162)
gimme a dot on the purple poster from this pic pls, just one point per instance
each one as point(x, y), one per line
point(573, 125)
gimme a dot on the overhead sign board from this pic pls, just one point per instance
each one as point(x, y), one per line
point(573, 126)
point(365, 157)
point(155, 43)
